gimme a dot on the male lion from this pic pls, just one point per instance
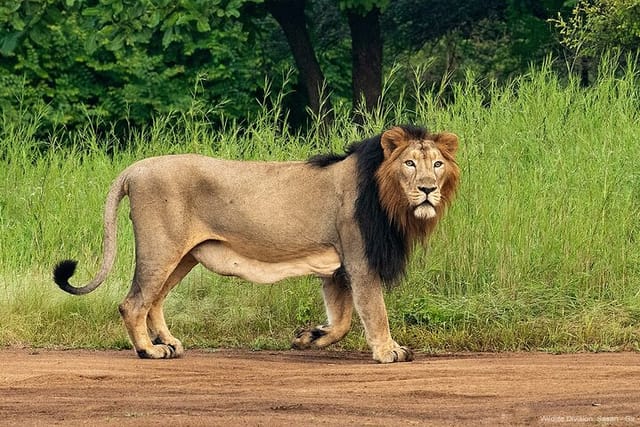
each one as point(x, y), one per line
point(350, 219)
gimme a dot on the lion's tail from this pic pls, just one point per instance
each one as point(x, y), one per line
point(65, 269)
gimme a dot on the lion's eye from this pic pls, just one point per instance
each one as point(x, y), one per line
point(438, 164)
point(410, 163)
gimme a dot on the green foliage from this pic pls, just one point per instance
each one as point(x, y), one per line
point(129, 60)
point(363, 6)
point(126, 59)
point(594, 27)
point(493, 39)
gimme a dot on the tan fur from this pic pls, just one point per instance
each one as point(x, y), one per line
point(265, 221)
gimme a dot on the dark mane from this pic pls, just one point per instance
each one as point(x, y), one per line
point(328, 159)
point(324, 160)
point(415, 132)
point(386, 246)
point(384, 242)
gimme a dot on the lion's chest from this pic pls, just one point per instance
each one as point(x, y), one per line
point(222, 259)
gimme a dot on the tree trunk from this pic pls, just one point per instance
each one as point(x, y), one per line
point(584, 71)
point(366, 54)
point(290, 16)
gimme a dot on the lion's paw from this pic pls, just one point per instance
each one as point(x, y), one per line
point(396, 354)
point(162, 351)
point(307, 338)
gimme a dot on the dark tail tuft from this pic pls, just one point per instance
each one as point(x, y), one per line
point(63, 272)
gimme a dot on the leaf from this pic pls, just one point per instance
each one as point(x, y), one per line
point(43, 36)
point(203, 26)
point(233, 13)
point(18, 23)
point(117, 43)
point(91, 44)
point(155, 19)
point(9, 42)
point(167, 37)
point(92, 11)
point(118, 7)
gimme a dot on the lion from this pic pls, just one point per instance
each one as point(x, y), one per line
point(351, 219)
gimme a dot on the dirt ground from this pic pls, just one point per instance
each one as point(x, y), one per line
point(231, 387)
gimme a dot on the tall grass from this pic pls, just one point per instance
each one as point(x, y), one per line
point(539, 251)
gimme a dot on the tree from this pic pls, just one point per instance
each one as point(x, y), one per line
point(491, 39)
point(366, 51)
point(290, 15)
point(363, 17)
point(366, 54)
point(127, 58)
point(594, 27)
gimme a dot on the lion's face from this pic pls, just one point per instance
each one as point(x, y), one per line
point(420, 170)
point(418, 176)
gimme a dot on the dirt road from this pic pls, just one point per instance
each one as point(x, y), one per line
point(230, 387)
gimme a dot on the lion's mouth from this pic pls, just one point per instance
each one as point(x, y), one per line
point(425, 203)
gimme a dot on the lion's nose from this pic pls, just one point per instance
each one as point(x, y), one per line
point(426, 190)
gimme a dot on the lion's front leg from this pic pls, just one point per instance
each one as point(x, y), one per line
point(339, 306)
point(369, 302)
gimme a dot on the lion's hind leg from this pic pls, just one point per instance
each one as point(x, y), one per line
point(151, 283)
point(339, 306)
point(156, 324)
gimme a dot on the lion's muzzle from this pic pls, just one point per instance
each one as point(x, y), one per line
point(429, 199)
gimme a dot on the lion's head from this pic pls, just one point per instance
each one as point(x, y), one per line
point(417, 178)
point(406, 178)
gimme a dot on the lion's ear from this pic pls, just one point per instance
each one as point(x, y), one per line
point(447, 142)
point(391, 139)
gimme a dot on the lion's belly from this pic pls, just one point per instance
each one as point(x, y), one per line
point(222, 259)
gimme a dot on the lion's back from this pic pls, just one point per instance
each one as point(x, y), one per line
point(282, 202)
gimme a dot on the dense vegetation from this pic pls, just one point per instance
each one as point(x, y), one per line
point(122, 61)
point(539, 251)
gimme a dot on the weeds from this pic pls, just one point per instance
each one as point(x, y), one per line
point(539, 251)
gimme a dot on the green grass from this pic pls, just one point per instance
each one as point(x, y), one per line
point(540, 251)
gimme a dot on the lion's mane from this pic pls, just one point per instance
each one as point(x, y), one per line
point(388, 227)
